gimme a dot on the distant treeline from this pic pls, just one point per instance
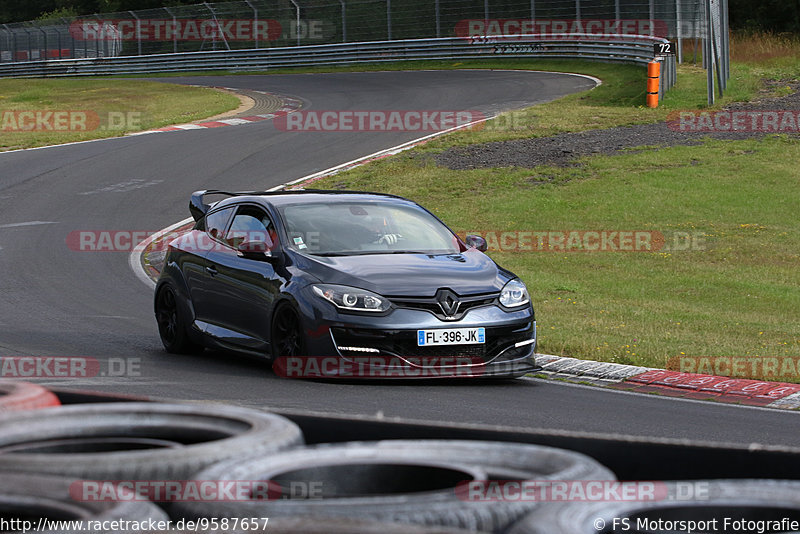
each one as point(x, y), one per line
point(762, 15)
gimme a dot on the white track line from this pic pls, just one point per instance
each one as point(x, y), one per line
point(135, 257)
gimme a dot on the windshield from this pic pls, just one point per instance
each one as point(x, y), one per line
point(355, 228)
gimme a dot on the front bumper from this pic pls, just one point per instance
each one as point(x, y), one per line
point(385, 346)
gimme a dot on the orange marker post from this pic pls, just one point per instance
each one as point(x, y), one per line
point(653, 75)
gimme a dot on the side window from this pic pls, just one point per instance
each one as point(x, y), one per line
point(217, 221)
point(251, 224)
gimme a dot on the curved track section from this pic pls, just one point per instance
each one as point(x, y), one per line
point(57, 301)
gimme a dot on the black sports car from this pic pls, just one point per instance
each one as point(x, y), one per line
point(339, 283)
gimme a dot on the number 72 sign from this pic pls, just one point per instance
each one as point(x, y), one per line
point(664, 49)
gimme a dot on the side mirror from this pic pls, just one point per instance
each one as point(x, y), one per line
point(255, 250)
point(477, 242)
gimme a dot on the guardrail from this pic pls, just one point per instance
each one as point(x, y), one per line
point(619, 48)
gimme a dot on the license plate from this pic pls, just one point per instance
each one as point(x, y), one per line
point(451, 336)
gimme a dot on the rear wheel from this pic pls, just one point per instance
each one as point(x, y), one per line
point(171, 327)
point(287, 333)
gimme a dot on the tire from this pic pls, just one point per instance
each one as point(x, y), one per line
point(287, 338)
point(35, 497)
point(375, 472)
point(137, 441)
point(16, 396)
point(734, 499)
point(172, 328)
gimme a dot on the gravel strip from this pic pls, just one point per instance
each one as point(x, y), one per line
point(563, 149)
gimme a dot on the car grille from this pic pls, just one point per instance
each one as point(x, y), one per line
point(432, 306)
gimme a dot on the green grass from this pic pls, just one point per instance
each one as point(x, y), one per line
point(143, 105)
point(736, 294)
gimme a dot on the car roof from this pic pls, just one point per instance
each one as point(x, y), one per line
point(305, 196)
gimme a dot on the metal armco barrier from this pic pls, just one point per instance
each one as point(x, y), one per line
point(617, 48)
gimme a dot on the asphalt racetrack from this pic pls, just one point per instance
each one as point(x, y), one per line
point(57, 301)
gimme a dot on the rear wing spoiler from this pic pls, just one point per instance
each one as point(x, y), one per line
point(198, 208)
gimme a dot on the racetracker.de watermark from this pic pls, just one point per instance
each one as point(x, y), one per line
point(589, 240)
point(81, 120)
point(579, 491)
point(376, 120)
point(774, 121)
point(130, 240)
point(28, 367)
point(762, 367)
point(559, 29)
point(377, 366)
point(182, 490)
point(176, 30)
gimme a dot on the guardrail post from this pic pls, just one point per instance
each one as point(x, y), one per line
point(59, 43)
point(653, 83)
point(175, 27)
point(389, 20)
point(96, 42)
point(438, 21)
point(297, 20)
point(45, 43)
point(138, 32)
point(679, 30)
point(344, 21)
point(28, 34)
point(726, 48)
point(708, 53)
point(67, 23)
point(12, 49)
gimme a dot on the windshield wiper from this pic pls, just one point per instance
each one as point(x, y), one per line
point(376, 252)
point(328, 254)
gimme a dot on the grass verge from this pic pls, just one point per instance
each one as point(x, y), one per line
point(98, 107)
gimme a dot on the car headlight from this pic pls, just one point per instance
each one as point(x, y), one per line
point(352, 298)
point(514, 294)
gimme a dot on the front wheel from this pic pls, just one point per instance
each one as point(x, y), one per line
point(287, 333)
point(171, 327)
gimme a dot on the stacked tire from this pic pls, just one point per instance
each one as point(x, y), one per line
point(416, 482)
point(15, 396)
point(43, 503)
point(138, 441)
point(52, 460)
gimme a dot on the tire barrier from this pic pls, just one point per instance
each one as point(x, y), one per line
point(382, 487)
point(35, 498)
point(414, 481)
point(15, 396)
point(138, 441)
point(742, 503)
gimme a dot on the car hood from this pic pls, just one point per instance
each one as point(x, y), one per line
point(411, 275)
